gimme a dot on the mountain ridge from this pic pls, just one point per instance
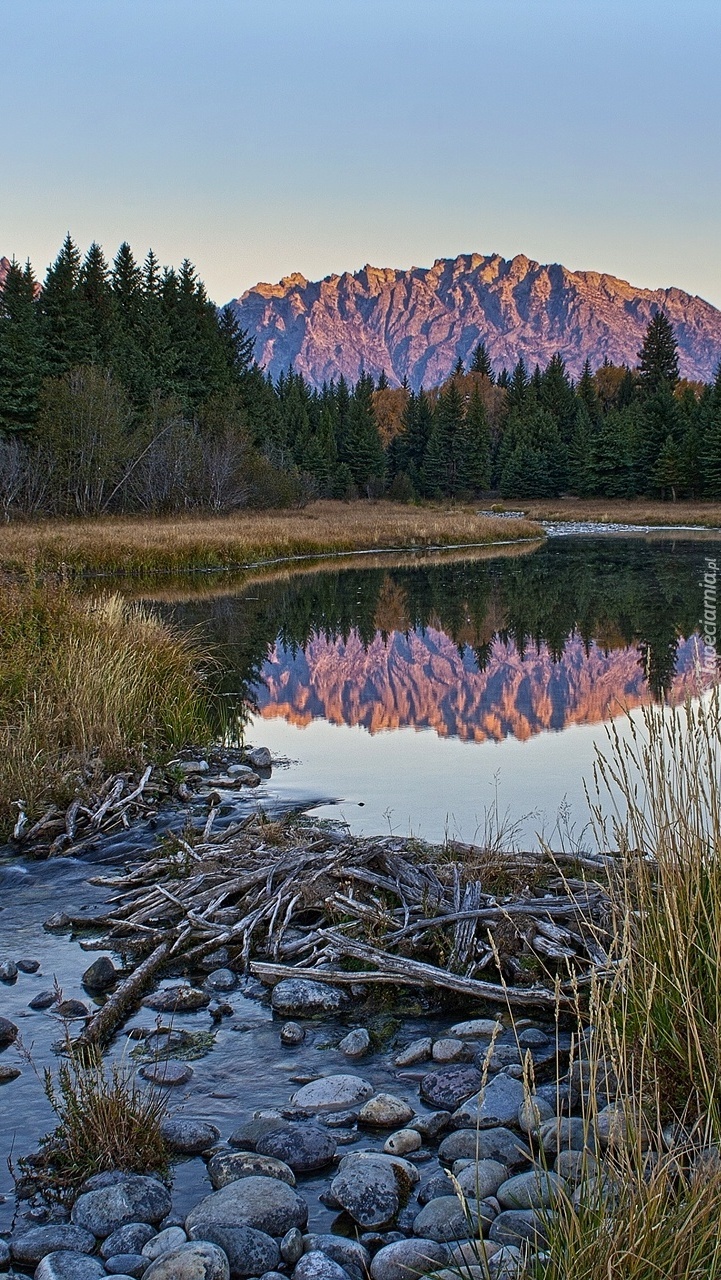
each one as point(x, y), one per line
point(417, 323)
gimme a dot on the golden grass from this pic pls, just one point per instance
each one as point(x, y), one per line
point(86, 686)
point(144, 546)
point(620, 511)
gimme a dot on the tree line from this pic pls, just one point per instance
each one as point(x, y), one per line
point(123, 388)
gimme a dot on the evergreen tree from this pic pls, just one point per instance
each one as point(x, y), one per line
point(64, 332)
point(658, 357)
point(518, 386)
point(363, 451)
point(98, 311)
point(712, 442)
point(21, 364)
point(473, 447)
point(481, 362)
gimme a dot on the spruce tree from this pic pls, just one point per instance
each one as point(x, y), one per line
point(481, 362)
point(363, 449)
point(658, 357)
point(98, 308)
point(473, 447)
point(21, 363)
point(712, 442)
point(66, 341)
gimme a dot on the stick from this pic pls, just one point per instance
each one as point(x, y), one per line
point(123, 1000)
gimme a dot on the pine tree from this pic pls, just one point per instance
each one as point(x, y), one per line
point(588, 395)
point(65, 335)
point(660, 419)
point(518, 386)
point(473, 447)
point(363, 449)
point(658, 357)
point(481, 362)
point(712, 442)
point(97, 306)
point(21, 364)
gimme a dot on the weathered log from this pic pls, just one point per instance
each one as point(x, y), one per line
point(124, 999)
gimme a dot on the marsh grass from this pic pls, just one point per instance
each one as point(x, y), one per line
point(142, 546)
point(87, 686)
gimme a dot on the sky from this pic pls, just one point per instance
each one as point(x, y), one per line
point(262, 137)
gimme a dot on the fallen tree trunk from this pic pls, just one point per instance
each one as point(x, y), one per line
point(124, 999)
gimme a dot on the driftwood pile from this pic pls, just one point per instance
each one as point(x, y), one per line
point(115, 806)
point(292, 900)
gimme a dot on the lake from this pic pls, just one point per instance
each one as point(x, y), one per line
point(452, 692)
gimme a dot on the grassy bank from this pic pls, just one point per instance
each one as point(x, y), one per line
point(147, 546)
point(707, 515)
point(87, 686)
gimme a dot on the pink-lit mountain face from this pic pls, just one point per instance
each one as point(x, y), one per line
point(415, 324)
point(421, 681)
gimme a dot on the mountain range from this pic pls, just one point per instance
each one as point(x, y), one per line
point(416, 324)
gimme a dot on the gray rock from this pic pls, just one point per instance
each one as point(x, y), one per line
point(408, 1258)
point(170, 1238)
point(482, 1178)
point(291, 1033)
point(8, 1073)
point(229, 1166)
point(476, 1029)
point(43, 1000)
point(132, 1198)
point(416, 1051)
point(31, 1246)
point(350, 1254)
point(379, 1239)
point(533, 1112)
point(564, 1133)
point(356, 1043)
point(438, 1185)
point(498, 1105)
point(249, 1252)
point(303, 998)
point(532, 1038)
point(252, 1127)
point(127, 1264)
point(448, 1049)
point(166, 1073)
point(302, 1147)
point(196, 1260)
point(57, 923)
point(221, 980)
point(127, 1239)
point(264, 1203)
point(385, 1111)
point(28, 966)
point(69, 1266)
point(431, 1123)
point(4, 1253)
point(444, 1220)
point(447, 1088)
point(368, 1189)
point(8, 971)
point(181, 999)
point(406, 1173)
point(259, 758)
point(332, 1093)
point(101, 975)
point(402, 1142)
point(507, 1264)
point(503, 1055)
point(72, 1009)
point(574, 1166)
point(318, 1266)
point(189, 1137)
point(534, 1190)
point(514, 1226)
point(292, 1247)
point(485, 1144)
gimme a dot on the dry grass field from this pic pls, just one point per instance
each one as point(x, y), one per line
point(621, 511)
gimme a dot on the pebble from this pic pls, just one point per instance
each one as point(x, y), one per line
point(100, 976)
point(350, 1254)
point(57, 922)
point(252, 1127)
point(368, 1190)
point(181, 999)
point(189, 1137)
point(196, 1260)
point(221, 980)
point(431, 1123)
point(8, 971)
point(532, 1113)
point(69, 1266)
point(8, 1073)
point(448, 1088)
point(291, 1246)
point(485, 1144)
point(438, 1185)
point(291, 1033)
point(385, 1111)
point(532, 1038)
point(332, 1093)
point(408, 1258)
point(534, 1190)
point(166, 1073)
point(43, 1000)
point(250, 1252)
point(318, 1266)
point(416, 1051)
point(356, 1043)
point(229, 1166)
point(71, 1009)
point(446, 1219)
point(264, 1203)
point(170, 1238)
point(127, 1239)
point(574, 1166)
point(303, 998)
point(28, 966)
point(449, 1049)
point(132, 1198)
point(507, 1264)
point(482, 1178)
point(498, 1106)
point(258, 758)
point(565, 1133)
point(476, 1029)
point(402, 1142)
point(514, 1226)
point(127, 1264)
point(302, 1147)
point(31, 1246)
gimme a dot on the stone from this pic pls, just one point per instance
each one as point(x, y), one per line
point(476, 1029)
point(72, 1009)
point(532, 1038)
point(127, 1264)
point(438, 1185)
point(196, 1260)
point(507, 1264)
point(302, 1147)
point(229, 1166)
point(291, 1033)
point(408, 1258)
point(416, 1051)
point(304, 998)
point(170, 1238)
point(264, 1203)
point(332, 1093)
point(445, 1219)
point(468, 1253)
point(447, 1088)
point(127, 1239)
point(189, 1137)
point(8, 971)
point(100, 976)
point(249, 1252)
point(26, 965)
point(259, 758)
point(532, 1113)
point(534, 1190)
point(514, 1226)
point(379, 1239)
point(350, 1254)
point(166, 1073)
point(43, 1000)
point(385, 1111)
point(133, 1198)
point(611, 1126)
point(482, 1178)
point(8, 1073)
point(485, 1144)
point(402, 1142)
point(189, 767)
point(503, 1055)
point(238, 775)
point(368, 1189)
point(292, 1247)
point(58, 922)
point(575, 1166)
point(221, 980)
point(498, 1106)
point(182, 999)
point(431, 1123)
point(30, 1246)
point(356, 1043)
point(449, 1049)
point(69, 1266)
point(252, 1127)
point(565, 1133)
point(318, 1266)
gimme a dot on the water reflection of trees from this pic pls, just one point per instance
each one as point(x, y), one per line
point(613, 592)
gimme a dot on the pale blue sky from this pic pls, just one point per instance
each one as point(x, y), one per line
point(264, 137)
